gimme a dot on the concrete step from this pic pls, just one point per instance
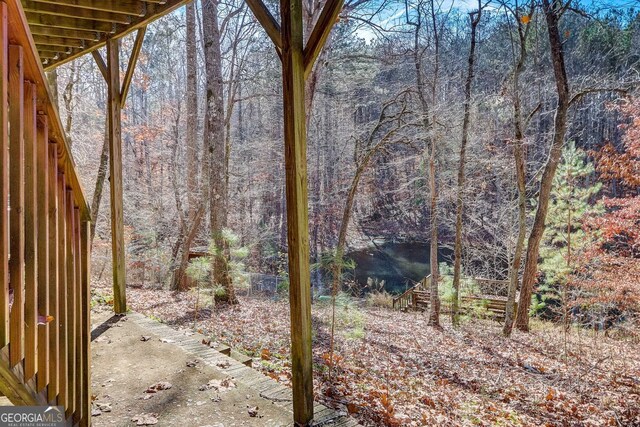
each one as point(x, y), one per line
point(245, 360)
point(224, 349)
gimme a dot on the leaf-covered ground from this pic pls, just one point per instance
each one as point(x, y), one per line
point(392, 369)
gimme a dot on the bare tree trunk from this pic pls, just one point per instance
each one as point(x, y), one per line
point(457, 265)
point(552, 12)
point(186, 242)
point(434, 310)
point(428, 122)
point(518, 153)
point(191, 220)
point(67, 96)
point(102, 174)
point(52, 79)
point(192, 110)
point(215, 141)
point(522, 231)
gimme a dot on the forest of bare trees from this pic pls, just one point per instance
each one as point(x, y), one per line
point(428, 121)
point(473, 175)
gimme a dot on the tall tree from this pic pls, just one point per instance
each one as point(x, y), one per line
point(214, 137)
point(570, 204)
point(100, 177)
point(552, 10)
point(192, 110)
point(519, 127)
point(428, 110)
point(189, 223)
point(466, 118)
point(67, 97)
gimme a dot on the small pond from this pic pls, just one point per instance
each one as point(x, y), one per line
point(398, 264)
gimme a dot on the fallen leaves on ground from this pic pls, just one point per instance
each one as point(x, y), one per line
point(162, 385)
point(253, 411)
point(145, 419)
point(102, 406)
point(219, 385)
point(390, 368)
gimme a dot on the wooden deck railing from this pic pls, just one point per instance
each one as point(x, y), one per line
point(44, 245)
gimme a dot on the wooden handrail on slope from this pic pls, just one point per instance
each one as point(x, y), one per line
point(44, 244)
point(417, 297)
point(408, 298)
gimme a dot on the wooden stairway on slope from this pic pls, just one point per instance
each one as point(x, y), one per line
point(417, 298)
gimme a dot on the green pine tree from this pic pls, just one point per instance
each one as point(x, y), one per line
point(571, 201)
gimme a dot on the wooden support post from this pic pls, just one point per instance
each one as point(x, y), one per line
point(297, 62)
point(4, 178)
point(115, 170)
point(16, 192)
point(297, 209)
point(31, 230)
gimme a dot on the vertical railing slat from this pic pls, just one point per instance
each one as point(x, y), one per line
point(85, 242)
point(62, 291)
point(4, 178)
point(54, 355)
point(78, 309)
point(16, 196)
point(31, 230)
point(71, 301)
point(44, 310)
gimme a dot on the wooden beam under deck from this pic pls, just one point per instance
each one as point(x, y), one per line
point(74, 12)
point(48, 55)
point(89, 36)
point(126, 7)
point(51, 21)
point(58, 41)
point(153, 10)
point(54, 49)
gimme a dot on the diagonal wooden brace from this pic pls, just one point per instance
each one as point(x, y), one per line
point(131, 67)
point(268, 22)
point(320, 33)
